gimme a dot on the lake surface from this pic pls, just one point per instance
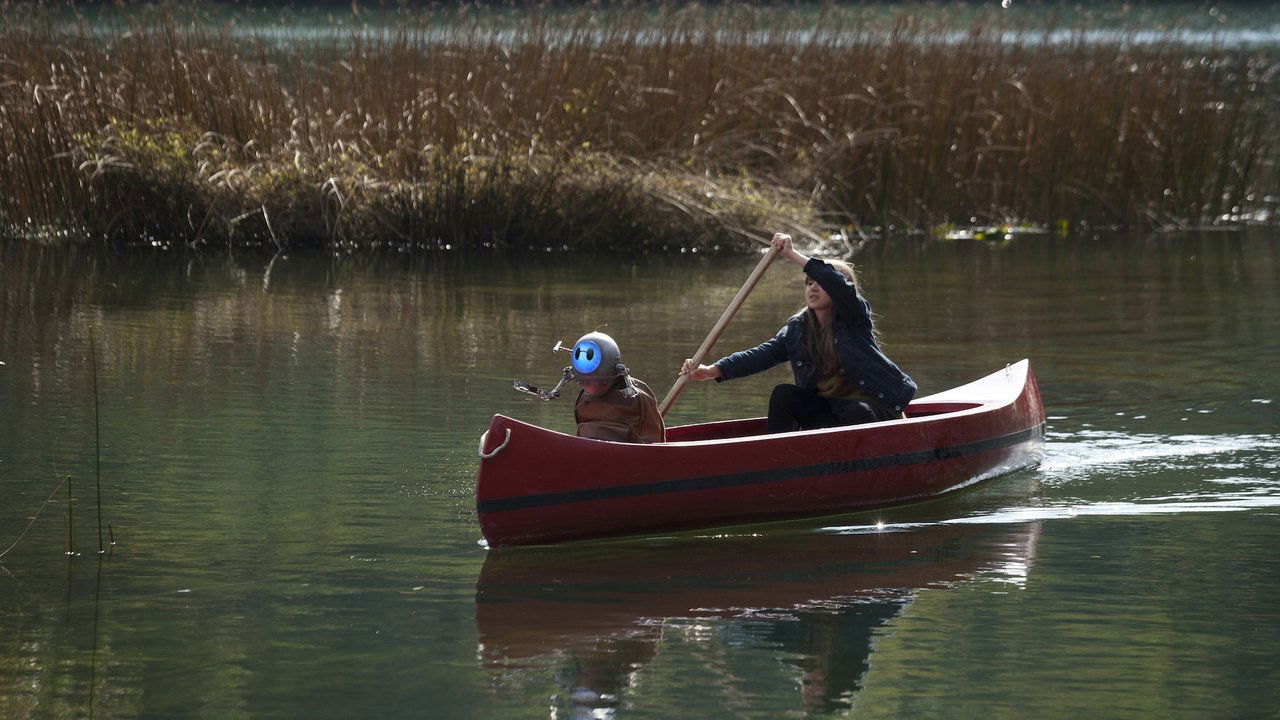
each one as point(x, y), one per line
point(1236, 25)
point(288, 451)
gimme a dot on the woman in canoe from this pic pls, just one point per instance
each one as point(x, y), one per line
point(841, 375)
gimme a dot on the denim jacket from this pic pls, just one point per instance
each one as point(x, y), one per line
point(861, 361)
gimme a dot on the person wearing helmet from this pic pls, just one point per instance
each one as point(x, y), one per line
point(613, 405)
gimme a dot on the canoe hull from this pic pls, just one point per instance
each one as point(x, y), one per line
point(539, 486)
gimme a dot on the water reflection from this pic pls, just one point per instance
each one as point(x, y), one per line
point(103, 557)
point(595, 616)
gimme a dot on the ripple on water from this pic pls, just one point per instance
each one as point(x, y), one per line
point(1107, 473)
point(1070, 455)
point(1116, 473)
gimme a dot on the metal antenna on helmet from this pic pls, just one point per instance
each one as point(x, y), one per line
point(620, 371)
point(553, 393)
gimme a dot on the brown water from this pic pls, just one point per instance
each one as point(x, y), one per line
point(288, 458)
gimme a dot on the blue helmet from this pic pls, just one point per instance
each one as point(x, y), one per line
point(596, 357)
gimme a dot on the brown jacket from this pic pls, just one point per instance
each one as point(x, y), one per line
point(614, 417)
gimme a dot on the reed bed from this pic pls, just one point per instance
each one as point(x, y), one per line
point(626, 130)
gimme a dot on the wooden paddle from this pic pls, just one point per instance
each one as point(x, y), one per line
point(721, 324)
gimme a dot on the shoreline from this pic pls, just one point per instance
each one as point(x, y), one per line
point(651, 131)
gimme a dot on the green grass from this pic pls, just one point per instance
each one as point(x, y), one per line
point(620, 130)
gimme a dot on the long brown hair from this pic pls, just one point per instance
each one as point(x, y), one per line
point(819, 338)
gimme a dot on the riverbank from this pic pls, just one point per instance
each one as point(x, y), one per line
point(630, 131)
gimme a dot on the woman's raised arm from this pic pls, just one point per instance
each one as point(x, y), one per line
point(782, 242)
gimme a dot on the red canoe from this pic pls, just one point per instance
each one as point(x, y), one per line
point(537, 486)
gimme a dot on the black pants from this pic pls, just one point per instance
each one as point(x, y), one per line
point(794, 408)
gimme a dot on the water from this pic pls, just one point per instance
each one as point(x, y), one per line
point(288, 458)
point(1243, 26)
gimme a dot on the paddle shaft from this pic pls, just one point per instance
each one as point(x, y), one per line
point(720, 325)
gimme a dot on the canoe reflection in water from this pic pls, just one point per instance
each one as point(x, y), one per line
point(598, 614)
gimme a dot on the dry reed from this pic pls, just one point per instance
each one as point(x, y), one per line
point(620, 130)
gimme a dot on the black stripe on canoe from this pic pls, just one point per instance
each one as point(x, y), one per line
point(757, 477)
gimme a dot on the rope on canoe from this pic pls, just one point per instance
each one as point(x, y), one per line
point(486, 456)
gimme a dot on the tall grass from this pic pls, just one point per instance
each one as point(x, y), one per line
point(625, 130)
